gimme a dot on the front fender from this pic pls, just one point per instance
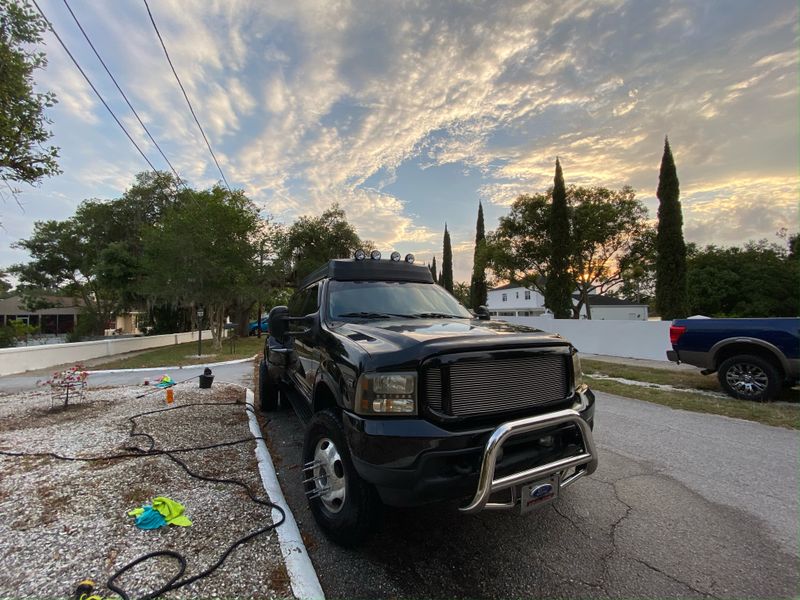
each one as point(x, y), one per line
point(336, 386)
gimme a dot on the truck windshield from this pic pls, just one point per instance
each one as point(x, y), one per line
point(391, 299)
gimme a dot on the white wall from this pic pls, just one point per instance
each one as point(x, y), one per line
point(615, 312)
point(629, 339)
point(18, 360)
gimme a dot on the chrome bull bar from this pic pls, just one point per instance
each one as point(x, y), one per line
point(584, 463)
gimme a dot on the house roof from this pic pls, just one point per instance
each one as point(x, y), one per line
point(540, 281)
point(13, 306)
point(600, 300)
point(507, 286)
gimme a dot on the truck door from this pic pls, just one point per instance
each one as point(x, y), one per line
point(303, 303)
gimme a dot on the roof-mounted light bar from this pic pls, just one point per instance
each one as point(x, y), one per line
point(376, 255)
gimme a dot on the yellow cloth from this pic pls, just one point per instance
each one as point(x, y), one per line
point(171, 511)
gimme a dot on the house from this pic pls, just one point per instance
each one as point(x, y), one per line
point(58, 320)
point(513, 300)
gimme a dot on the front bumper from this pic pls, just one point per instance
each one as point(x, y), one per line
point(413, 462)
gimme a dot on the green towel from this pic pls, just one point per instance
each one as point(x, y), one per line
point(171, 511)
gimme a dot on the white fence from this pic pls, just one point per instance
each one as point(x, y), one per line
point(628, 339)
point(18, 360)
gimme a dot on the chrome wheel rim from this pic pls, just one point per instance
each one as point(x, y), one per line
point(747, 379)
point(330, 482)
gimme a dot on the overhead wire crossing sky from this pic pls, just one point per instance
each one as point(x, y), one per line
point(94, 89)
point(185, 95)
point(119, 89)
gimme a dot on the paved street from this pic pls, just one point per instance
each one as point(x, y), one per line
point(682, 505)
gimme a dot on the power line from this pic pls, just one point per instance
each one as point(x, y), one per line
point(185, 95)
point(119, 89)
point(94, 89)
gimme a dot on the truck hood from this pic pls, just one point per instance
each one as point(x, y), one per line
point(420, 338)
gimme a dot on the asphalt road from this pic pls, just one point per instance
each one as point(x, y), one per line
point(682, 505)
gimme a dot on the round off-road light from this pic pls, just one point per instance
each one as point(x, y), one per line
point(410, 259)
point(375, 255)
point(395, 256)
point(360, 254)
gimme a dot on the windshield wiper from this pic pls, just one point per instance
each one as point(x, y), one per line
point(371, 315)
point(436, 315)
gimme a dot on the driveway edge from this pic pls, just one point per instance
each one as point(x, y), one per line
point(303, 577)
point(216, 364)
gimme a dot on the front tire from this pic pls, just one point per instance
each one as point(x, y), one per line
point(749, 377)
point(346, 507)
point(267, 390)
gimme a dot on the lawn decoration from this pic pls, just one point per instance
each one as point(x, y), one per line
point(66, 384)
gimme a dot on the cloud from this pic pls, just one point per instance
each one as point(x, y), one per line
point(734, 211)
point(74, 95)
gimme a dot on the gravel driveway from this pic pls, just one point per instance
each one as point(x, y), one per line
point(66, 521)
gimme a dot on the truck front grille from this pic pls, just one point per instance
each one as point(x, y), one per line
point(474, 387)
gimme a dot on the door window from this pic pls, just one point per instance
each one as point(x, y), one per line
point(311, 301)
point(304, 302)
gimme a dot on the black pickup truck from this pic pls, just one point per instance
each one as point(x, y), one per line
point(409, 398)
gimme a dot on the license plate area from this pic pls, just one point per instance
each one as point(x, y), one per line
point(538, 493)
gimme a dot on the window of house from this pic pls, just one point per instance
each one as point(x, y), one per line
point(527, 294)
point(517, 294)
point(505, 297)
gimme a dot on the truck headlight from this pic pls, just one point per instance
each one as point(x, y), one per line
point(386, 394)
point(576, 369)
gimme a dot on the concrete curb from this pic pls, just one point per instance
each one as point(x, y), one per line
point(216, 364)
point(303, 577)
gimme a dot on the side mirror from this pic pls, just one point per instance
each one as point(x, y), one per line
point(278, 323)
point(482, 312)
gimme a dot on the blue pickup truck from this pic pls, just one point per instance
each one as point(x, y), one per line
point(753, 358)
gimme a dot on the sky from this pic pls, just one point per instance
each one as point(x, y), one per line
point(410, 113)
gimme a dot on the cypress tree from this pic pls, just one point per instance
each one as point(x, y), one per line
point(477, 288)
point(433, 270)
point(447, 262)
point(560, 284)
point(671, 290)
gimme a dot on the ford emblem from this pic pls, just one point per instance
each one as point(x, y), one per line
point(540, 491)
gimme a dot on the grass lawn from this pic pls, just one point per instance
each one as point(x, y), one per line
point(783, 413)
point(186, 354)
